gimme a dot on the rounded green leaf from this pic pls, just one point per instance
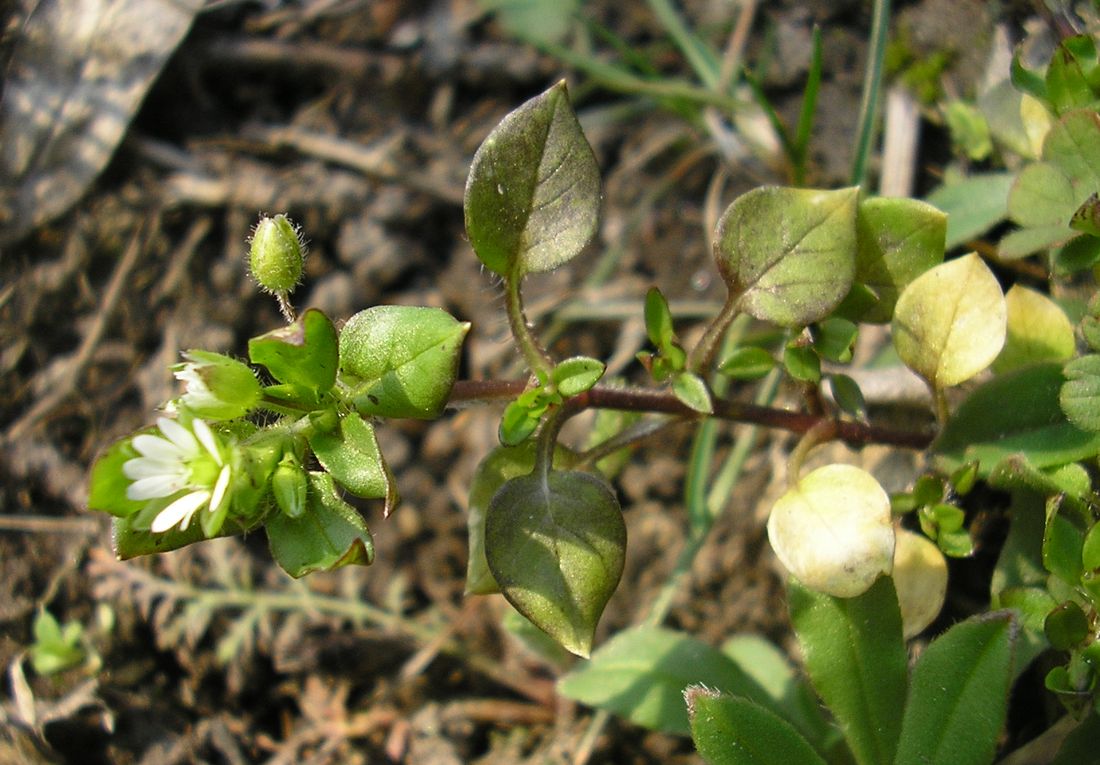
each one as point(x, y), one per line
point(351, 456)
point(950, 323)
point(1080, 394)
point(833, 530)
point(401, 361)
point(1037, 330)
point(556, 545)
point(789, 254)
point(1041, 196)
point(330, 534)
point(1073, 145)
point(302, 354)
point(899, 239)
point(747, 363)
point(533, 193)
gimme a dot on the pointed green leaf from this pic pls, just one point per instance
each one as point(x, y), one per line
point(949, 323)
point(1067, 87)
point(834, 531)
point(658, 319)
point(576, 375)
point(856, 660)
point(351, 456)
point(556, 546)
point(833, 339)
point(848, 396)
point(1015, 412)
point(131, 535)
point(401, 361)
point(1038, 330)
point(1027, 241)
point(533, 194)
point(330, 534)
point(747, 363)
point(788, 253)
point(302, 354)
point(899, 239)
point(731, 730)
point(692, 392)
point(958, 694)
point(641, 674)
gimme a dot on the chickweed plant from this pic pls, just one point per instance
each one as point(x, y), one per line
point(277, 442)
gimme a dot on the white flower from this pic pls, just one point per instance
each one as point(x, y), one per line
point(179, 460)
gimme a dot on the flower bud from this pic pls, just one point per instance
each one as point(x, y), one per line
point(289, 482)
point(276, 254)
point(218, 387)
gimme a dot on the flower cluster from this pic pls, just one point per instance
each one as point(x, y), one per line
point(188, 462)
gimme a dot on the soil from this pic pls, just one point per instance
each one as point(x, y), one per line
point(359, 121)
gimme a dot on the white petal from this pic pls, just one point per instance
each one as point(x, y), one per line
point(220, 488)
point(155, 486)
point(178, 435)
point(202, 430)
point(146, 467)
point(156, 447)
point(179, 512)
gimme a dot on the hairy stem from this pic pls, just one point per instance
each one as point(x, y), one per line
point(660, 402)
point(536, 356)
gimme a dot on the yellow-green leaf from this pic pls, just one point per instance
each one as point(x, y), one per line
point(950, 323)
point(1038, 330)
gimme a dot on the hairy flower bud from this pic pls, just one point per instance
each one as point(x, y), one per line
point(218, 387)
point(276, 253)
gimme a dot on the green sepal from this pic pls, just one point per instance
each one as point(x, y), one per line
point(107, 486)
point(302, 355)
point(401, 361)
point(329, 535)
point(352, 457)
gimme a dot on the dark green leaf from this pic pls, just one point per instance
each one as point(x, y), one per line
point(802, 363)
point(132, 537)
point(1067, 87)
point(1062, 544)
point(731, 730)
point(848, 396)
point(1066, 626)
point(856, 659)
point(1015, 412)
point(833, 339)
point(518, 423)
point(1080, 745)
point(401, 361)
point(958, 694)
point(556, 546)
point(788, 254)
point(302, 354)
point(329, 535)
point(642, 672)
point(533, 193)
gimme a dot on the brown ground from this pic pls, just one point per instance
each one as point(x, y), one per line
point(359, 120)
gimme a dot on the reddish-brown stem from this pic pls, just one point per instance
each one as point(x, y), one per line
point(661, 402)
